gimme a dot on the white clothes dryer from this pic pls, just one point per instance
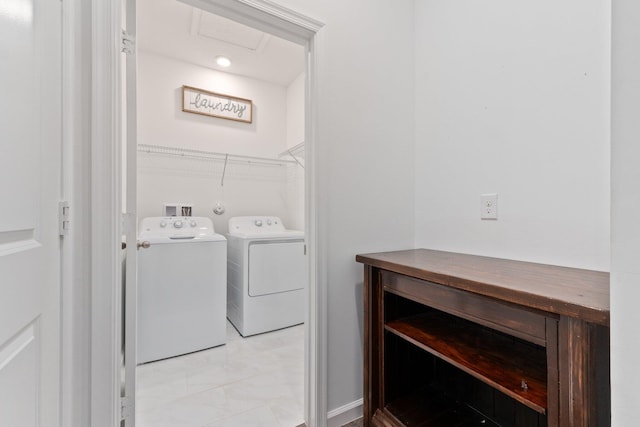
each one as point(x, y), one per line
point(181, 287)
point(266, 275)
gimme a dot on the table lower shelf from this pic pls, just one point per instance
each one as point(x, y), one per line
point(498, 360)
point(430, 408)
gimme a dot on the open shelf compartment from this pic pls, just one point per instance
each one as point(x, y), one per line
point(422, 389)
point(510, 365)
point(429, 407)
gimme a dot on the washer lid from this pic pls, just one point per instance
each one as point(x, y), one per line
point(261, 227)
point(177, 229)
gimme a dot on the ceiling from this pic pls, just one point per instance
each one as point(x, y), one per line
point(180, 31)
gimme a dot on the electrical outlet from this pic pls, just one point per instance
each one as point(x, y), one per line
point(489, 206)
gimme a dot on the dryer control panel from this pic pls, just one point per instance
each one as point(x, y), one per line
point(255, 225)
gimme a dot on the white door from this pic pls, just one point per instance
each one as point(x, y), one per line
point(129, 309)
point(276, 267)
point(30, 158)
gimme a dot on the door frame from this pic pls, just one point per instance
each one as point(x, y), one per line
point(106, 191)
point(76, 256)
point(106, 212)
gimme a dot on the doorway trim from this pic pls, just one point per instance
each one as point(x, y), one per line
point(106, 224)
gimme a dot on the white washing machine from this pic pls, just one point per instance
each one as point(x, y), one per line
point(266, 275)
point(182, 289)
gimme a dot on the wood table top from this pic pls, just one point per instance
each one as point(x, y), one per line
point(573, 292)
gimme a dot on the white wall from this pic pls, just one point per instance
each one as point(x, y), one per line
point(248, 189)
point(161, 120)
point(295, 198)
point(625, 226)
point(295, 135)
point(365, 151)
point(295, 111)
point(513, 98)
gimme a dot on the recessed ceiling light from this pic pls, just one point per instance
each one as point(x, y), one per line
point(223, 61)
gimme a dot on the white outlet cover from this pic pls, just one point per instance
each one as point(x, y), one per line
point(489, 206)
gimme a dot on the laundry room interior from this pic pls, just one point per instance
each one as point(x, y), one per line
point(169, 58)
point(219, 143)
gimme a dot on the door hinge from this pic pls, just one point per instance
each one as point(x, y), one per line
point(126, 408)
point(127, 43)
point(128, 223)
point(64, 221)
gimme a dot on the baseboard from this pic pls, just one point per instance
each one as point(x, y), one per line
point(345, 414)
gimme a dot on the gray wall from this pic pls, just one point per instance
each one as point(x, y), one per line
point(513, 98)
point(625, 213)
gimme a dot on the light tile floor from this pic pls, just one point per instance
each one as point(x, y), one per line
point(253, 382)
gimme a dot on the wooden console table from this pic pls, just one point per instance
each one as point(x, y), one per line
point(461, 340)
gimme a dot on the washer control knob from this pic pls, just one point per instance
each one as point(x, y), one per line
point(193, 223)
point(258, 222)
point(163, 224)
point(268, 222)
point(178, 223)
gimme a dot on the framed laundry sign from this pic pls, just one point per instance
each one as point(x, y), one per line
point(200, 101)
